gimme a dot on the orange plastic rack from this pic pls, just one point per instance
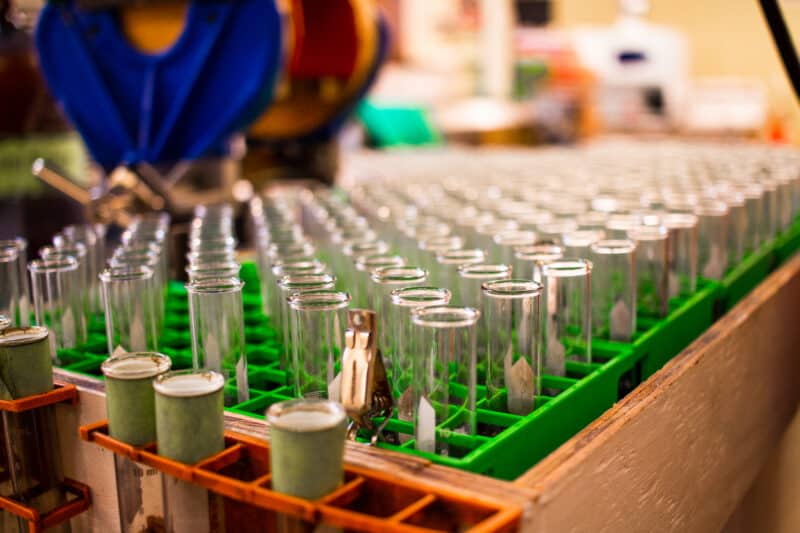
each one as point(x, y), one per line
point(79, 498)
point(368, 500)
point(62, 392)
point(38, 522)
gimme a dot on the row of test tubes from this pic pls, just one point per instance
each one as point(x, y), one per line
point(556, 257)
point(215, 299)
point(58, 290)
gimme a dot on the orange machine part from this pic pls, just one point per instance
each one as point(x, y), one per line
point(334, 48)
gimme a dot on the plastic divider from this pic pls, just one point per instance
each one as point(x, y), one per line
point(367, 500)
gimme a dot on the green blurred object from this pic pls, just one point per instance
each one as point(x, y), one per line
point(393, 126)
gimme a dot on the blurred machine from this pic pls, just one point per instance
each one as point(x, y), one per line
point(165, 93)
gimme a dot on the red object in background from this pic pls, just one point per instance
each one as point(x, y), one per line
point(326, 42)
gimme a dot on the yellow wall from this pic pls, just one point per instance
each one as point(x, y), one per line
point(726, 38)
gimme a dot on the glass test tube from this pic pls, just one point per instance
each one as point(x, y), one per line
point(217, 326)
point(652, 274)
point(682, 228)
point(472, 276)
point(513, 356)
point(505, 242)
point(614, 289)
point(618, 226)
point(84, 234)
point(444, 373)
point(737, 226)
point(429, 249)
point(753, 195)
point(200, 271)
point(484, 233)
point(318, 322)
point(77, 251)
point(446, 274)
point(57, 301)
point(712, 238)
point(22, 316)
point(385, 280)
point(149, 257)
point(9, 283)
point(552, 232)
point(351, 252)
point(288, 286)
point(528, 260)
point(567, 333)
point(769, 213)
point(578, 243)
point(200, 244)
point(129, 295)
point(365, 266)
point(592, 220)
point(306, 266)
point(403, 301)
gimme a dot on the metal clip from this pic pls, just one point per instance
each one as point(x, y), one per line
point(365, 391)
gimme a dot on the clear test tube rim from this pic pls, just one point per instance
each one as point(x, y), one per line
point(231, 267)
point(461, 316)
point(215, 286)
point(349, 249)
point(441, 243)
point(319, 300)
point(298, 267)
point(712, 208)
point(304, 249)
point(228, 242)
point(66, 263)
point(365, 263)
point(496, 226)
point(399, 275)
point(515, 237)
point(648, 233)
point(125, 273)
point(539, 252)
point(139, 246)
point(511, 289)
point(623, 222)
point(484, 271)
point(582, 238)
point(17, 243)
point(416, 296)
point(316, 281)
point(464, 256)
point(614, 247)
point(50, 251)
point(197, 257)
point(8, 255)
point(679, 221)
point(567, 268)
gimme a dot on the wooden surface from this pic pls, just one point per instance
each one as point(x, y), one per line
point(678, 454)
point(681, 451)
